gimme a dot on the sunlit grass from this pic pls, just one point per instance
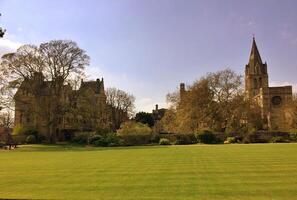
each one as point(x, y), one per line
point(263, 171)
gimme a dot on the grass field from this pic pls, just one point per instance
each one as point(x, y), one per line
point(258, 171)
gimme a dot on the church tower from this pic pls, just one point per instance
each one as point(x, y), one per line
point(256, 82)
point(256, 76)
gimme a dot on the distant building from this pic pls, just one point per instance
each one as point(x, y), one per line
point(158, 114)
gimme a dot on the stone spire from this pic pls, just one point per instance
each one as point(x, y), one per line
point(255, 57)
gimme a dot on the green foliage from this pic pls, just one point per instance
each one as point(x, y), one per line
point(293, 136)
point(185, 139)
point(164, 141)
point(206, 137)
point(21, 134)
point(109, 139)
point(266, 137)
point(135, 133)
point(279, 139)
point(31, 139)
point(230, 140)
point(81, 137)
point(145, 118)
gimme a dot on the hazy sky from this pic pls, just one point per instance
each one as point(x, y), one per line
point(147, 47)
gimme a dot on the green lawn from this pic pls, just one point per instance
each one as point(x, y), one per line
point(258, 171)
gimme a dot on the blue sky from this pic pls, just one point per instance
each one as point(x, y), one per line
point(147, 47)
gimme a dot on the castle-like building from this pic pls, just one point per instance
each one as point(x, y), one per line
point(84, 109)
point(274, 101)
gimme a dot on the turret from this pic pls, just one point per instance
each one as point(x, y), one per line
point(182, 91)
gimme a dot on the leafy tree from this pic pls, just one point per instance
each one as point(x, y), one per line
point(216, 102)
point(145, 118)
point(135, 133)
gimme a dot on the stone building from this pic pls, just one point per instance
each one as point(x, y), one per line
point(84, 109)
point(158, 113)
point(274, 101)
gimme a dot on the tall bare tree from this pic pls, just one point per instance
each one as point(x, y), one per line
point(121, 105)
point(120, 100)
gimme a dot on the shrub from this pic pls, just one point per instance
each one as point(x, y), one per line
point(185, 139)
point(293, 136)
point(110, 139)
point(133, 133)
point(230, 140)
point(81, 137)
point(94, 138)
point(278, 139)
point(31, 139)
point(206, 137)
point(164, 141)
point(266, 136)
point(20, 134)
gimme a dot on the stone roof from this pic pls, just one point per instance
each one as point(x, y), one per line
point(255, 57)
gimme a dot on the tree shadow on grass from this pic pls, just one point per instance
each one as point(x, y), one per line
point(75, 147)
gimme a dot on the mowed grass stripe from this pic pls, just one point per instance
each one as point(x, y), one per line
point(263, 171)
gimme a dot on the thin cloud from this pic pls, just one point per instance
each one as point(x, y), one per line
point(147, 104)
point(7, 46)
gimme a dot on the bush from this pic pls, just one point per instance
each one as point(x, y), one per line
point(266, 136)
point(278, 139)
point(293, 136)
point(21, 133)
point(31, 139)
point(164, 141)
point(185, 139)
point(134, 133)
point(230, 140)
point(206, 137)
point(94, 138)
point(81, 137)
point(110, 139)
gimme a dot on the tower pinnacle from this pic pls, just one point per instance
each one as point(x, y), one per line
point(255, 57)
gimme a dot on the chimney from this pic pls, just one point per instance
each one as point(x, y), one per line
point(182, 87)
point(157, 107)
point(182, 91)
